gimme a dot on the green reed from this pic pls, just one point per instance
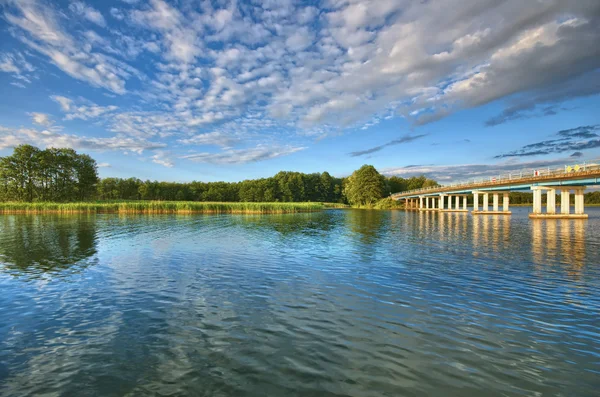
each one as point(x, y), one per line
point(159, 207)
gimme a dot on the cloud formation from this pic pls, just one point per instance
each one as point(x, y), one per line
point(41, 119)
point(453, 173)
point(399, 141)
point(51, 137)
point(571, 140)
point(196, 73)
point(243, 156)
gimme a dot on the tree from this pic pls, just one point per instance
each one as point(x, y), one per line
point(87, 177)
point(365, 186)
point(31, 174)
point(397, 184)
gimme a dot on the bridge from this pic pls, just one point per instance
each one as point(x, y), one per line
point(453, 198)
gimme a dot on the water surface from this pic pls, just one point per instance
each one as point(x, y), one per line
point(338, 303)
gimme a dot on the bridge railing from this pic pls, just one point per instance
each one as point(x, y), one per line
point(573, 168)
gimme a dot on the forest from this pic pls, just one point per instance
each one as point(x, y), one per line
point(63, 175)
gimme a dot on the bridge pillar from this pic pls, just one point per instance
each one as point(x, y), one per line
point(537, 201)
point(565, 202)
point(551, 201)
point(579, 203)
point(464, 203)
point(457, 206)
point(496, 203)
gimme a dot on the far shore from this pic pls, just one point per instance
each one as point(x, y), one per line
point(160, 207)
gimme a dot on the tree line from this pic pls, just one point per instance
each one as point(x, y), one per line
point(63, 175)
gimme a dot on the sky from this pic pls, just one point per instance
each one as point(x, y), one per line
point(184, 90)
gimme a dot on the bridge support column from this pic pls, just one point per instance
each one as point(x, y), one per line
point(579, 203)
point(420, 202)
point(537, 201)
point(496, 203)
point(565, 204)
point(465, 203)
point(551, 201)
point(453, 203)
point(427, 202)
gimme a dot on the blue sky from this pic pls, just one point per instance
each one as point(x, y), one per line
point(231, 90)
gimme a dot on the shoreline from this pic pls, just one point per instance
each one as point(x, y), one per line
point(159, 207)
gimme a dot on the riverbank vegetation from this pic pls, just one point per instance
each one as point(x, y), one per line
point(158, 207)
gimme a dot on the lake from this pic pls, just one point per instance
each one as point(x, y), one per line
point(336, 303)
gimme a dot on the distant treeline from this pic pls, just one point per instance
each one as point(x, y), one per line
point(283, 187)
point(62, 175)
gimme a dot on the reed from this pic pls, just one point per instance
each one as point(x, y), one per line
point(335, 205)
point(158, 207)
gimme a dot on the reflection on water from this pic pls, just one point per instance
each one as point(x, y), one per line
point(49, 243)
point(564, 239)
point(343, 302)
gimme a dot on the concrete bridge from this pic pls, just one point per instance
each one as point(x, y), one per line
point(573, 178)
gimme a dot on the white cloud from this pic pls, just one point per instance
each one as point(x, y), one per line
point(180, 40)
point(7, 65)
point(11, 137)
point(41, 119)
point(42, 32)
point(217, 138)
point(104, 165)
point(85, 111)
point(89, 13)
point(243, 156)
point(18, 66)
point(64, 102)
point(162, 158)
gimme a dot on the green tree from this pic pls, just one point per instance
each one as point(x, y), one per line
point(365, 186)
point(87, 177)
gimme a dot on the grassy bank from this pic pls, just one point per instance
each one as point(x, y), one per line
point(158, 207)
point(383, 204)
point(335, 205)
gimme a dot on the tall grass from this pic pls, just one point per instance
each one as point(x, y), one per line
point(159, 207)
point(335, 205)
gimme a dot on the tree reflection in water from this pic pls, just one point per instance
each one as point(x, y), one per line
point(35, 245)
